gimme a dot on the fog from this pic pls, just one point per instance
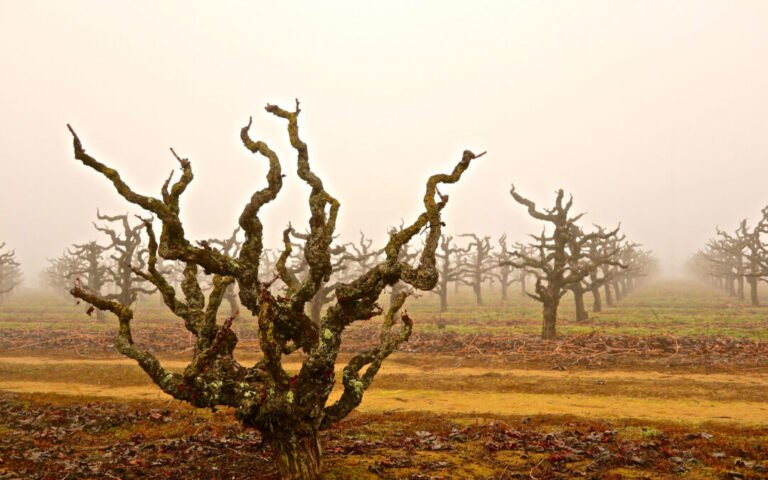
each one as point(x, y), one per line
point(652, 114)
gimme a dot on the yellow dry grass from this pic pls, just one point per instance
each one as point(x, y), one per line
point(421, 398)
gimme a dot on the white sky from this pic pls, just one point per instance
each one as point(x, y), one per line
point(651, 113)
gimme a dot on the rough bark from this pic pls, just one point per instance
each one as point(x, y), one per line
point(297, 454)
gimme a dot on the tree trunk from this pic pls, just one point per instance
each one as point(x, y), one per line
point(504, 288)
point(597, 301)
point(549, 327)
point(617, 290)
point(443, 298)
point(608, 296)
point(297, 456)
point(581, 312)
point(753, 292)
point(478, 293)
point(740, 287)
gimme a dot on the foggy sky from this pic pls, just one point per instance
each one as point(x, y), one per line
point(653, 114)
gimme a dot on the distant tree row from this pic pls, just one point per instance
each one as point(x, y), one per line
point(731, 260)
point(568, 259)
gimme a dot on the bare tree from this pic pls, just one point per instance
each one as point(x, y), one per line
point(503, 271)
point(10, 272)
point(61, 273)
point(126, 251)
point(556, 270)
point(755, 258)
point(732, 246)
point(287, 409)
point(93, 275)
point(524, 273)
point(581, 260)
point(362, 255)
point(727, 253)
point(478, 265)
point(450, 268)
point(600, 249)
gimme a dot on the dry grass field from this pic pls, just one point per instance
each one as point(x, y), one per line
point(672, 382)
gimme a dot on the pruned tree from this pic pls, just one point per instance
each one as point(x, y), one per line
point(754, 255)
point(602, 252)
point(93, 275)
point(361, 255)
point(478, 265)
point(726, 252)
point(524, 273)
point(10, 272)
point(732, 248)
point(127, 251)
point(582, 260)
point(503, 272)
point(555, 269)
point(730, 260)
point(61, 273)
point(288, 410)
point(450, 268)
point(638, 265)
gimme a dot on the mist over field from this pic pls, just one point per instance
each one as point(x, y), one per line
point(435, 240)
point(651, 114)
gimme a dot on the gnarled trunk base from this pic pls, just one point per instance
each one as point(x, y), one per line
point(549, 327)
point(297, 456)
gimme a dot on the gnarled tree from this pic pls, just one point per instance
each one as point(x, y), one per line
point(601, 276)
point(503, 271)
point(126, 251)
point(288, 410)
point(10, 272)
point(478, 264)
point(60, 273)
point(556, 269)
point(582, 259)
point(450, 268)
point(94, 272)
